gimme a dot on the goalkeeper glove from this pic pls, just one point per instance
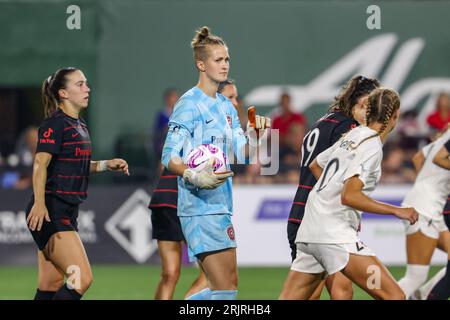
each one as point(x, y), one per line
point(256, 127)
point(206, 179)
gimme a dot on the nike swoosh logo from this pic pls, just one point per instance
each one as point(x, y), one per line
point(74, 135)
point(208, 121)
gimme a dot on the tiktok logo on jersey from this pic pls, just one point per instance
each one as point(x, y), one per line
point(48, 133)
point(46, 136)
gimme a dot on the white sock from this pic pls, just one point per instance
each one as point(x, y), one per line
point(426, 288)
point(415, 276)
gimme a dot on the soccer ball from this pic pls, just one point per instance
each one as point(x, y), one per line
point(197, 158)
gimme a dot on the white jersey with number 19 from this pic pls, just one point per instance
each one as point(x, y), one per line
point(326, 220)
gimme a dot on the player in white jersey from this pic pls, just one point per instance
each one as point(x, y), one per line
point(428, 196)
point(327, 240)
point(441, 290)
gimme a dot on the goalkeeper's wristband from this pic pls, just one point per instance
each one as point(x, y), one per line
point(102, 165)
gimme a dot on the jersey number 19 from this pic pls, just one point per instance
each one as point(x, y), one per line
point(310, 143)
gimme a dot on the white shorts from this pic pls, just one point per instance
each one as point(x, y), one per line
point(429, 227)
point(331, 258)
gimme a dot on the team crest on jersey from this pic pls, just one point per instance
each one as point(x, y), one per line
point(230, 232)
point(229, 120)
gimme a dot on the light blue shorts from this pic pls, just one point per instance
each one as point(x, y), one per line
point(207, 233)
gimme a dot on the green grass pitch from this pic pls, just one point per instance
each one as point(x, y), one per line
point(139, 282)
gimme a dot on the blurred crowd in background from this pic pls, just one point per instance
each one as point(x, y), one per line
point(397, 167)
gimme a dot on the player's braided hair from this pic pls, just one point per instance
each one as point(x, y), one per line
point(203, 37)
point(387, 103)
point(354, 89)
point(382, 105)
point(50, 88)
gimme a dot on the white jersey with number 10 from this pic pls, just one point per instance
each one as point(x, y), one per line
point(326, 220)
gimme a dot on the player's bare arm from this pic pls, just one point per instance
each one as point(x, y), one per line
point(39, 211)
point(353, 196)
point(442, 158)
point(418, 160)
point(110, 165)
point(316, 169)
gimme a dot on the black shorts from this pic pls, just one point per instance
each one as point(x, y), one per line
point(447, 220)
point(166, 224)
point(63, 217)
point(292, 228)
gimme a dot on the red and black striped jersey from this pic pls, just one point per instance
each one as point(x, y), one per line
point(447, 206)
point(324, 133)
point(447, 145)
point(67, 139)
point(166, 192)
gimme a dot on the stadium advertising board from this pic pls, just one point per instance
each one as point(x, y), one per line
point(115, 226)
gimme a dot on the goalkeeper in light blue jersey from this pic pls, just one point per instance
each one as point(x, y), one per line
point(203, 116)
